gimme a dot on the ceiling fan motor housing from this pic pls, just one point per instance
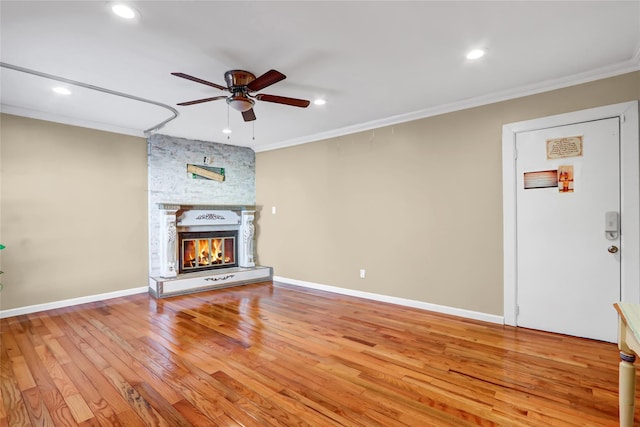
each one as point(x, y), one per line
point(238, 79)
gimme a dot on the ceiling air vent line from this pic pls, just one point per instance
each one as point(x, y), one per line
point(99, 89)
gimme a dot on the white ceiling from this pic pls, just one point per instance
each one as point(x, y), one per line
point(375, 62)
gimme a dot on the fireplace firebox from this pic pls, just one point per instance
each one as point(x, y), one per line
point(207, 250)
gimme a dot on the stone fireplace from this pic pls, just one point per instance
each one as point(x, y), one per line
point(204, 247)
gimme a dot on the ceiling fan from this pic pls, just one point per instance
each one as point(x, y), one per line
point(241, 84)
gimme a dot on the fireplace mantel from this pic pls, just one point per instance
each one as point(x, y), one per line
point(188, 206)
point(179, 217)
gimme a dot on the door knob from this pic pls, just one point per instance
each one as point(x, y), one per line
point(613, 249)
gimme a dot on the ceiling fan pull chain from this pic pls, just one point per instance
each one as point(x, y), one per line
point(253, 130)
point(228, 128)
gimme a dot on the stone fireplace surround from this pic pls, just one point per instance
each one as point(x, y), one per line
point(176, 218)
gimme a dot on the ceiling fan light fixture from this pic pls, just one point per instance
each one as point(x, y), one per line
point(240, 103)
point(319, 101)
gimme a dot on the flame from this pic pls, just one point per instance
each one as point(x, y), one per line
point(217, 251)
point(205, 252)
point(203, 258)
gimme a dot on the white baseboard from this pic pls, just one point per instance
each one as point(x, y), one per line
point(69, 302)
point(476, 315)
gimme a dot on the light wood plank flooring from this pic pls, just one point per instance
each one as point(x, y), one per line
point(278, 355)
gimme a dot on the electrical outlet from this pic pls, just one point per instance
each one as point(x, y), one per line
point(362, 273)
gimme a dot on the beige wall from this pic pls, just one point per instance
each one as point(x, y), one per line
point(69, 197)
point(418, 205)
point(73, 212)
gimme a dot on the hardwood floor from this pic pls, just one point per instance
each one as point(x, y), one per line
point(263, 355)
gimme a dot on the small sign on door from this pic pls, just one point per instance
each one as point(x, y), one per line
point(541, 179)
point(560, 148)
point(565, 179)
point(561, 178)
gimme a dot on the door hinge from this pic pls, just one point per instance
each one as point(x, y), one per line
point(622, 118)
point(517, 310)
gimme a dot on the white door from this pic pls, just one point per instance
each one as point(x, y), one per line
point(568, 266)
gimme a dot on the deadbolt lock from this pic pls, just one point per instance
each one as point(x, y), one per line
point(613, 249)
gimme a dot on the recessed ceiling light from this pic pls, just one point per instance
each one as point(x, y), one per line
point(124, 11)
point(319, 101)
point(475, 54)
point(226, 130)
point(62, 90)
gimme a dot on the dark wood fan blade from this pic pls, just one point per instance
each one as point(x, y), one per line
point(303, 103)
point(267, 79)
point(249, 115)
point(200, 101)
point(197, 80)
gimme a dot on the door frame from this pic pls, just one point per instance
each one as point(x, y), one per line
point(629, 196)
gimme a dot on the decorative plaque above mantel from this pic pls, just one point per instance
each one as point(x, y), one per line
point(206, 217)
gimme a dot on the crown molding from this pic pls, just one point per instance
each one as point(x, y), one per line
point(628, 66)
point(72, 121)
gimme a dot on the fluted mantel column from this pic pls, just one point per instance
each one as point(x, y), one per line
point(168, 241)
point(246, 236)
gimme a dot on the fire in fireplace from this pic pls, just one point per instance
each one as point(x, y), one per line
point(207, 250)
